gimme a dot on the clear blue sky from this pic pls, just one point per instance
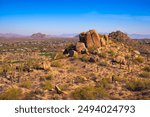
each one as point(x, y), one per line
point(74, 16)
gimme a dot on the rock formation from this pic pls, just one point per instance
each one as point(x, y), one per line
point(119, 36)
point(80, 48)
point(93, 39)
point(88, 41)
point(38, 36)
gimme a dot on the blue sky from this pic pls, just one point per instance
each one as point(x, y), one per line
point(74, 16)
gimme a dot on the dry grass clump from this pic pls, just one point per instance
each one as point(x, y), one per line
point(138, 60)
point(47, 85)
point(102, 55)
point(80, 79)
point(26, 84)
point(56, 63)
point(90, 92)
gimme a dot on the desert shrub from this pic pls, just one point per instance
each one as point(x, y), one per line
point(145, 74)
point(136, 85)
point(56, 63)
point(147, 83)
point(47, 85)
point(26, 84)
point(84, 93)
point(101, 92)
point(64, 87)
point(138, 60)
point(11, 94)
point(89, 93)
point(103, 84)
point(102, 54)
point(72, 68)
point(147, 68)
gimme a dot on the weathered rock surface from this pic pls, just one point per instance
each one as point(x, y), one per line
point(80, 48)
point(93, 39)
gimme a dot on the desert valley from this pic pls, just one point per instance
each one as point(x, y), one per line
point(90, 66)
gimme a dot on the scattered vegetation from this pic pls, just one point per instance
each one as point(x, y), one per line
point(138, 85)
point(138, 60)
point(47, 85)
point(26, 84)
point(11, 94)
point(85, 58)
point(146, 69)
point(56, 63)
point(145, 74)
point(89, 92)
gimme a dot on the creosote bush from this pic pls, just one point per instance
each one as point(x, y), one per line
point(11, 94)
point(138, 85)
point(89, 92)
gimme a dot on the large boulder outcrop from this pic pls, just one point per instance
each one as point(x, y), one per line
point(93, 39)
point(89, 42)
point(80, 48)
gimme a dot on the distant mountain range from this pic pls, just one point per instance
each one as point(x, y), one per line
point(13, 35)
point(140, 36)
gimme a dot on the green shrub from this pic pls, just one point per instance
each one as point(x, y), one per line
point(89, 93)
point(102, 54)
point(136, 85)
point(145, 74)
point(101, 92)
point(84, 93)
point(11, 94)
point(26, 84)
point(47, 85)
